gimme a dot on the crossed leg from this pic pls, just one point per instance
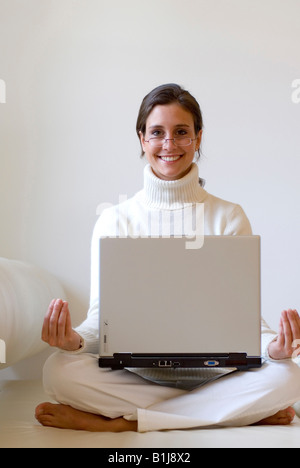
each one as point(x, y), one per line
point(66, 417)
point(116, 401)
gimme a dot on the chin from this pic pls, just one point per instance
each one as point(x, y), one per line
point(171, 174)
point(178, 173)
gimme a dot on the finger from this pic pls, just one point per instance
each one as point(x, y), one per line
point(53, 322)
point(62, 321)
point(280, 339)
point(288, 335)
point(294, 324)
point(69, 328)
point(45, 328)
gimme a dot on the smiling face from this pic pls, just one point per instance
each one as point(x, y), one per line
point(170, 161)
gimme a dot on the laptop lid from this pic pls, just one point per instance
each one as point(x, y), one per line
point(158, 297)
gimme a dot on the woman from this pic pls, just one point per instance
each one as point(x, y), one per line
point(170, 129)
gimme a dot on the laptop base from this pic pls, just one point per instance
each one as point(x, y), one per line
point(239, 361)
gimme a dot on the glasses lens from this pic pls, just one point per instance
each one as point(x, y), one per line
point(182, 141)
point(156, 141)
point(177, 141)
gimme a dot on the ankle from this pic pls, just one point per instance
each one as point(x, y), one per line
point(122, 425)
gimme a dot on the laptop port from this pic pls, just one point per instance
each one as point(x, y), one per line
point(165, 364)
point(211, 363)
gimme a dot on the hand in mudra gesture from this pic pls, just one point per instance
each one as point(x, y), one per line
point(285, 345)
point(57, 328)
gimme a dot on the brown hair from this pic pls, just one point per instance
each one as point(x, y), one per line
point(168, 94)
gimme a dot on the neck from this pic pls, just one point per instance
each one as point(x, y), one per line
point(174, 194)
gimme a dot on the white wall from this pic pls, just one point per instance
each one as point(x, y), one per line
point(76, 72)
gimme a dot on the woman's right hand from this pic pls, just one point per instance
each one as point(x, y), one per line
point(57, 328)
point(287, 343)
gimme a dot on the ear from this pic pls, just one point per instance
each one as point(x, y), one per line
point(198, 140)
point(142, 140)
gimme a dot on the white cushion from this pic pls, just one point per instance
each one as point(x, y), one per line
point(25, 294)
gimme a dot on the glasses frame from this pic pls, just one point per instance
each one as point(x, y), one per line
point(164, 141)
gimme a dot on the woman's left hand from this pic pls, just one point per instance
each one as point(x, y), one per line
point(285, 344)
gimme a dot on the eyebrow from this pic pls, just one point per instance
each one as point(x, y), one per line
point(176, 126)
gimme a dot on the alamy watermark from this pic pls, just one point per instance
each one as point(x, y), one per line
point(296, 92)
point(296, 353)
point(2, 352)
point(2, 92)
point(187, 222)
point(2, 101)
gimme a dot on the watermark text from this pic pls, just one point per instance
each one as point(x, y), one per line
point(2, 92)
point(296, 353)
point(187, 222)
point(296, 92)
point(2, 352)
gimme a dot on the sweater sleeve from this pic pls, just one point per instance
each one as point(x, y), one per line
point(237, 223)
point(267, 336)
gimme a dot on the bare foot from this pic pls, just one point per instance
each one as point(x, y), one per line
point(282, 418)
point(66, 417)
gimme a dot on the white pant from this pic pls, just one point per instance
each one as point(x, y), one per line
point(239, 399)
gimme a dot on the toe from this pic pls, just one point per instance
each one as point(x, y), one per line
point(291, 413)
point(282, 418)
point(42, 409)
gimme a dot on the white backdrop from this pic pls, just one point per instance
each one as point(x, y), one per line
point(75, 73)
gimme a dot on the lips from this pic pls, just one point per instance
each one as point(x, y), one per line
point(171, 158)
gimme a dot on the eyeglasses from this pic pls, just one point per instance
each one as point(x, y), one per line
point(179, 141)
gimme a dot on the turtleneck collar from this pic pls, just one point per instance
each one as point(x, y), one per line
point(174, 194)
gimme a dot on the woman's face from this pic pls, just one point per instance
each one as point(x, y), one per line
point(170, 161)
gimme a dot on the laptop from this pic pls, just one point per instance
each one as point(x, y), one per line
point(163, 305)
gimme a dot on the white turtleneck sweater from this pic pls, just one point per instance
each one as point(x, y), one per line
point(162, 208)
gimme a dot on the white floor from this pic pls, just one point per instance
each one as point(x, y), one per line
point(18, 428)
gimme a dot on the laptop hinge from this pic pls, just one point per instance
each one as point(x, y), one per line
point(238, 361)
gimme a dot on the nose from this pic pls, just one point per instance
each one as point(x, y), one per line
point(168, 142)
